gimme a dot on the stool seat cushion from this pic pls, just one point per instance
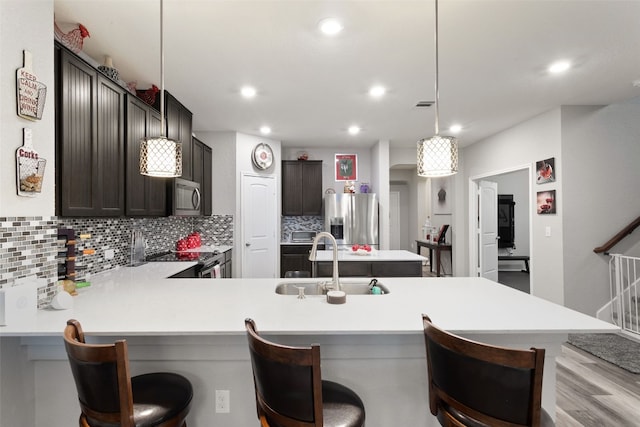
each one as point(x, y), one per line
point(341, 407)
point(157, 397)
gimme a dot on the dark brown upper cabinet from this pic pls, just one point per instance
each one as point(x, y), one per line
point(301, 187)
point(179, 128)
point(90, 149)
point(202, 173)
point(145, 195)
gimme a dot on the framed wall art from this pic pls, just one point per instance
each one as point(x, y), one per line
point(346, 167)
point(546, 202)
point(546, 170)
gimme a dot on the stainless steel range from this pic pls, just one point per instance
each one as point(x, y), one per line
point(205, 267)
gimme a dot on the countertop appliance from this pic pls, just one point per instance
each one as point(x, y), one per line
point(303, 236)
point(185, 197)
point(204, 269)
point(352, 218)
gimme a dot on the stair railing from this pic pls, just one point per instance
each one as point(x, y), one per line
point(618, 237)
point(624, 286)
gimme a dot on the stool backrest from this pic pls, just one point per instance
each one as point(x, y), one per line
point(287, 380)
point(102, 377)
point(493, 386)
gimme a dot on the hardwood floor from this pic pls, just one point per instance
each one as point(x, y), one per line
point(594, 393)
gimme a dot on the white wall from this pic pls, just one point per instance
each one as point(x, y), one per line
point(524, 144)
point(601, 175)
point(26, 24)
point(380, 180)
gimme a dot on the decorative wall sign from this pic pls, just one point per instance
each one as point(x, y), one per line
point(546, 202)
point(545, 170)
point(31, 93)
point(29, 168)
point(346, 167)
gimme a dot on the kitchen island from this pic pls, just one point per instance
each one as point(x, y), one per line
point(385, 263)
point(372, 343)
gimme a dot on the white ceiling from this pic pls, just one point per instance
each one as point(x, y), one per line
point(493, 56)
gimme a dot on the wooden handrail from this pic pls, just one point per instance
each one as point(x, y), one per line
point(621, 235)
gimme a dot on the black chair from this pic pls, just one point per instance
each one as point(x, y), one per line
point(297, 273)
point(110, 397)
point(472, 384)
point(290, 391)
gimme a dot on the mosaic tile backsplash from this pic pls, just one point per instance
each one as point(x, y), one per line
point(300, 223)
point(28, 248)
point(28, 245)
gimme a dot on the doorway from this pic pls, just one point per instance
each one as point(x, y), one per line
point(517, 182)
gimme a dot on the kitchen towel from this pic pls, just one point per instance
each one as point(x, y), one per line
point(216, 271)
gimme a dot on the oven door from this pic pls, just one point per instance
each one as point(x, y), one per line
point(210, 271)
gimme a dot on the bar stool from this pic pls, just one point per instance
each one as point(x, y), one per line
point(472, 384)
point(290, 391)
point(297, 273)
point(110, 397)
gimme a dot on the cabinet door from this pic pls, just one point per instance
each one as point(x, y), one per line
point(396, 269)
point(145, 196)
point(291, 188)
point(207, 184)
point(137, 116)
point(179, 129)
point(156, 187)
point(109, 170)
point(311, 188)
point(197, 170)
point(76, 133)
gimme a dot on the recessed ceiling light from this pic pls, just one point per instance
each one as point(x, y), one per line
point(330, 26)
point(248, 91)
point(455, 128)
point(265, 130)
point(559, 67)
point(377, 91)
point(354, 130)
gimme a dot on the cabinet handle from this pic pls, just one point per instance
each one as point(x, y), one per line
point(247, 244)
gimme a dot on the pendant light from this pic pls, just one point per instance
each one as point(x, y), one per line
point(161, 156)
point(438, 155)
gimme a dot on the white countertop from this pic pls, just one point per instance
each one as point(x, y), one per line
point(374, 255)
point(139, 301)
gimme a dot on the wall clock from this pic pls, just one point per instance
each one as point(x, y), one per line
point(262, 156)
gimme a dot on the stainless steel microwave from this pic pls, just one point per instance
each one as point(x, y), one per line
point(185, 197)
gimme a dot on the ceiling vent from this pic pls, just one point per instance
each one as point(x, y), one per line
point(424, 104)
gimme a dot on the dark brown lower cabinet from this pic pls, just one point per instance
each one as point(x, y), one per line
point(370, 269)
point(295, 258)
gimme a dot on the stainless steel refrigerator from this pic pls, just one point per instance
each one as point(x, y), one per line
point(352, 218)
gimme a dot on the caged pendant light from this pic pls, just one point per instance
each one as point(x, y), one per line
point(438, 155)
point(161, 156)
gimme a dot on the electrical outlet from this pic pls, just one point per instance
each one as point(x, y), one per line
point(109, 254)
point(223, 401)
point(547, 231)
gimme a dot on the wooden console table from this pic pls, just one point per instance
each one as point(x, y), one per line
point(438, 247)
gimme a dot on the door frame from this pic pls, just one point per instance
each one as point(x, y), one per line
point(474, 241)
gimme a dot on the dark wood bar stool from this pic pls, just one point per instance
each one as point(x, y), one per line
point(110, 397)
point(290, 391)
point(472, 384)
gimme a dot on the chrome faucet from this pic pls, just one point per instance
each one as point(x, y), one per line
point(314, 250)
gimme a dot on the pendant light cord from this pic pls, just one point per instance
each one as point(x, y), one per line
point(162, 119)
point(436, 85)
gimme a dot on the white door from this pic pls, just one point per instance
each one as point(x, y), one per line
point(259, 225)
point(394, 219)
point(488, 229)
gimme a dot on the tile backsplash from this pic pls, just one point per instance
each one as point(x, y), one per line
point(28, 248)
point(28, 245)
point(300, 223)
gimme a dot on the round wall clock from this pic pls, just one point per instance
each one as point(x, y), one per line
point(262, 156)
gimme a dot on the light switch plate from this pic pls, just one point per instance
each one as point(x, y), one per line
point(547, 231)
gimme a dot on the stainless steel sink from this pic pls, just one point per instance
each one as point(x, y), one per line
point(360, 287)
